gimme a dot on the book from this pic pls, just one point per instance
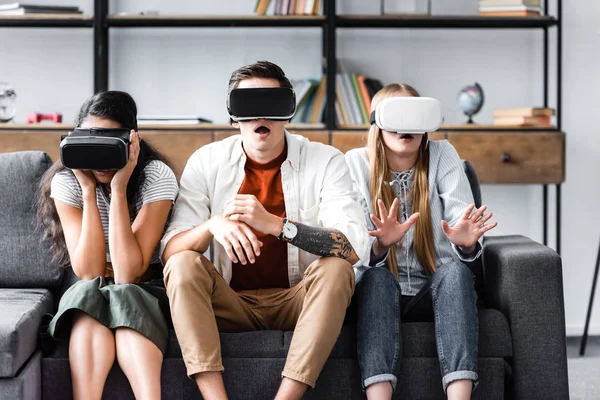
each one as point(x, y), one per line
point(262, 6)
point(523, 112)
point(509, 13)
point(523, 121)
point(24, 11)
point(509, 10)
point(171, 120)
point(45, 8)
point(505, 3)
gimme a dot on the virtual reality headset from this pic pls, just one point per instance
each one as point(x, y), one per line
point(408, 115)
point(276, 103)
point(95, 148)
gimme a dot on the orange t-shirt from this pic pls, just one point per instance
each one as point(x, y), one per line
point(270, 269)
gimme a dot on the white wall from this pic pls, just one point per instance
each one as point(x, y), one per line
point(185, 71)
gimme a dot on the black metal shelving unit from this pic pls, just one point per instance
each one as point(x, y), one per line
point(185, 21)
point(32, 22)
point(102, 22)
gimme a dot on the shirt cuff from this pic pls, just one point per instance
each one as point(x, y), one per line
point(468, 257)
point(377, 261)
point(168, 236)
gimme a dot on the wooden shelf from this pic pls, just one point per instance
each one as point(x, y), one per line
point(212, 21)
point(524, 157)
point(319, 126)
point(467, 127)
point(47, 21)
point(143, 127)
point(342, 21)
point(454, 22)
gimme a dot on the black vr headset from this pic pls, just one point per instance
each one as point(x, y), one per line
point(95, 148)
point(276, 103)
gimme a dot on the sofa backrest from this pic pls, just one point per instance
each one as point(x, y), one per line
point(25, 259)
point(474, 182)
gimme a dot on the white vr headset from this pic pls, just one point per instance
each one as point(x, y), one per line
point(408, 115)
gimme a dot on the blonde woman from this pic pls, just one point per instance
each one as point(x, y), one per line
point(419, 206)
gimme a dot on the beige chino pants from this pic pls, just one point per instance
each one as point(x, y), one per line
point(202, 304)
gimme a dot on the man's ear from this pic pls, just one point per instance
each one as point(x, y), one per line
point(235, 124)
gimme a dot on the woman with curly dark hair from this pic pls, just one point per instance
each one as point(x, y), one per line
point(107, 225)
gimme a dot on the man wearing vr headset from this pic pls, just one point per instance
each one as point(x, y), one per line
point(284, 229)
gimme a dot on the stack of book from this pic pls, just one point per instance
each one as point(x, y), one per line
point(541, 117)
point(510, 8)
point(352, 103)
point(354, 93)
point(290, 7)
point(310, 101)
point(28, 9)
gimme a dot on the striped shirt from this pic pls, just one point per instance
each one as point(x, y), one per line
point(158, 183)
point(449, 195)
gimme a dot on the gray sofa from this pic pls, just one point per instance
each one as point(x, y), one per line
point(522, 351)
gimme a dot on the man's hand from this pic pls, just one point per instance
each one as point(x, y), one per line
point(389, 231)
point(469, 228)
point(237, 238)
point(246, 208)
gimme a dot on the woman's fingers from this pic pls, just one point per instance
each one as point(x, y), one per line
point(467, 213)
point(412, 219)
point(394, 209)
point(376, 221)
point(486, 228)
point(477, 214)
point(382, 211)
point(484, 219)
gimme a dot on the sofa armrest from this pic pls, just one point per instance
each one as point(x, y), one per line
point(523, 279)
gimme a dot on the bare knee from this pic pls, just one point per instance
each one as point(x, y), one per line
point(83, 321)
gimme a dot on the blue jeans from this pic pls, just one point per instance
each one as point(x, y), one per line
point(449, 299)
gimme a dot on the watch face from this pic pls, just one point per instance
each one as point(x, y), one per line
point(290, 230)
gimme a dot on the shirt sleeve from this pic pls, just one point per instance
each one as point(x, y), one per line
point(65, 188)
point(160, 183)
point(192, 206)
point(455, 192)
point(359, 173)
point(339, 209)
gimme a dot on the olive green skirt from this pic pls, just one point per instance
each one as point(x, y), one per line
point(143, 307)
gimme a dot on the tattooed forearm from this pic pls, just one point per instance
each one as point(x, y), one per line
point(324, 242)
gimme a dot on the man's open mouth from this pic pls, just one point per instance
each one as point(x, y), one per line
point(262, 130)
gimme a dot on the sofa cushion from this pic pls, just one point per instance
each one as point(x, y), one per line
point(22, 311)
point(25, 256)
point(26, 385)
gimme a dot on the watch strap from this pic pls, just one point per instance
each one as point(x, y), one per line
point(280, 237)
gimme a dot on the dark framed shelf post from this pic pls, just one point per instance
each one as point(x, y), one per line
point(329, 51)
point(100, 46)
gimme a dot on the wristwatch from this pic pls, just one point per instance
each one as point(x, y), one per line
point(289, 231)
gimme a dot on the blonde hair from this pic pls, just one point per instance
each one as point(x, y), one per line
point(380, 174)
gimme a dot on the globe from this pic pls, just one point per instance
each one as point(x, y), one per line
point(8, 106)
point(470, 100)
